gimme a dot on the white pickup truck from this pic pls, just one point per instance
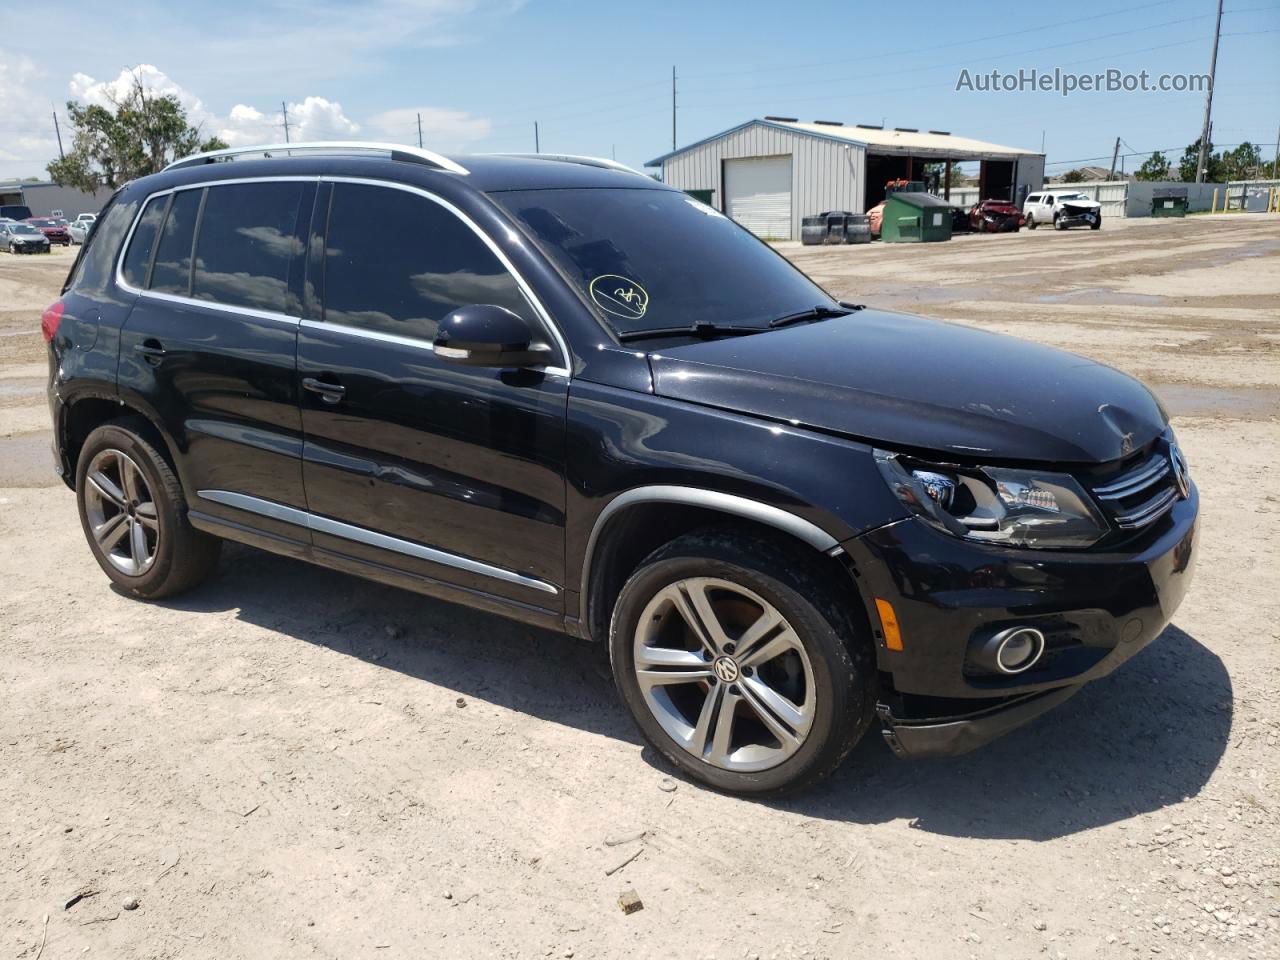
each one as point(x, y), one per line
point(1062, 208)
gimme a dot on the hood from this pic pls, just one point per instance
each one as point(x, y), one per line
point(1082, 204)
point(906, 381)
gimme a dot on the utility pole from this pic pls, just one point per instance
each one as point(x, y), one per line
point(1208, 99)
point(673, 107)
point(285, 113)
point(1115, 154)
point(58, 134)
point(419, 131)
point(1042, 141)
point(537, 144)
point(1275, 164)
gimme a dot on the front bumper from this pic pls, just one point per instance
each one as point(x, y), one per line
point(1096, 610)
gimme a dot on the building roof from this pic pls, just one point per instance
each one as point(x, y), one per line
point(917, 143)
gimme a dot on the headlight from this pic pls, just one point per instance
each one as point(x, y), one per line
point(1016, 508)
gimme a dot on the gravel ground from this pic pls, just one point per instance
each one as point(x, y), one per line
point(289, 762)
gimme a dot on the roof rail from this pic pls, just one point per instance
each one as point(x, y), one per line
point(396, 150)
point(574, 158)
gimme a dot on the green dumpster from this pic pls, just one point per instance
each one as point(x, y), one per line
point(915, 218)
point(1169, 202)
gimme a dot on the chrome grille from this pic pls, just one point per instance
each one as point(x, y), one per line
point(1141, 496)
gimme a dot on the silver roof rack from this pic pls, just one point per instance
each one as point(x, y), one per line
point(396, 150)
point(574, 158)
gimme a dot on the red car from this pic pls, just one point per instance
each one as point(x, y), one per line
point(54, 230)
point(996, 216)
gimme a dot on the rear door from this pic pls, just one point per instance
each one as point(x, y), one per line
point(211, 344)
point(449, 473)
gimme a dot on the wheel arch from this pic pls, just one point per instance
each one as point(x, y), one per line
point(90, 410)
point(635, 523)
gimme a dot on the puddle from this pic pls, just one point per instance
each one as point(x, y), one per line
point(24, 387)
point(1101, 295)
point(1189, 400)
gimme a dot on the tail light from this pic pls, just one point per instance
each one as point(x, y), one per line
point(50, 319)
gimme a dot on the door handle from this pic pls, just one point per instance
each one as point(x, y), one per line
point(150, 351)
point(329, 392)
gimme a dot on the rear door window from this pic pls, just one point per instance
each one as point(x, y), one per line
point(172, 270)
point(137, 261)
point(246, 245)
point(397, 263)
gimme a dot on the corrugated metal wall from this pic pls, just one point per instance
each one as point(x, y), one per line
point(826, 175)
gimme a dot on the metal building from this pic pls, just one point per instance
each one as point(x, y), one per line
point(767, 174)
point(43, 198)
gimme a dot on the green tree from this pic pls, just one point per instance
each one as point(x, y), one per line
point(1073, 176)
point(1155, 167)
point(139, 134)
point(1243, 163)
point(1213, 172)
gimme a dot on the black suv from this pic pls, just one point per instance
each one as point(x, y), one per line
point(554, 389)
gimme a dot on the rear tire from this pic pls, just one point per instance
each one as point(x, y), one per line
point(775, 715)
point(134, 514)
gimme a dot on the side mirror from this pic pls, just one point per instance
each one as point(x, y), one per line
point(486, 335)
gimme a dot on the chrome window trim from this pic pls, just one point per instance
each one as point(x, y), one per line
point(544, 317)
point(348, 531)
point(764, 513)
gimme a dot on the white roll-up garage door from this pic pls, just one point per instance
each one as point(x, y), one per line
point(758, 193)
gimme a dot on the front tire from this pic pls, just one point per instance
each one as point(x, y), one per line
point(1057, 223)
point(1097, 223)
point(741, 664)
point(1031, 222)
point(134, 514)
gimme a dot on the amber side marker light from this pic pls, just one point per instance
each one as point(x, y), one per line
point(889, 620)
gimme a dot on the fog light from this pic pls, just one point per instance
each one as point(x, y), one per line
point(1012, 651)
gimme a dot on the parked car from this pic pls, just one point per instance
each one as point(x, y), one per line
point(22, 238)
point(15, 211)
point(79, 228)
point(995, 216)
point(54, 230)
point(960, 219)
point(565, 393)
point(1062, 208)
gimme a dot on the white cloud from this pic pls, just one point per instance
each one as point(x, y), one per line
point(27, 140)
point(442, 129)
point(29, 145)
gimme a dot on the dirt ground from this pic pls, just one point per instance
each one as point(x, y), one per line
point(289, 762)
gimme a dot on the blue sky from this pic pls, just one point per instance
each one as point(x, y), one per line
point(597, 77)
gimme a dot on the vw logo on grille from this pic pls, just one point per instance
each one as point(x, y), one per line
point(726, 669)
point(1181, 475)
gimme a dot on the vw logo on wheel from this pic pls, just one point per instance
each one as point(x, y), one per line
point(726, 669)
point(1181, 475)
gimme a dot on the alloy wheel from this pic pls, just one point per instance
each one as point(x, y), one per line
point(724, 674)
point(121, 512)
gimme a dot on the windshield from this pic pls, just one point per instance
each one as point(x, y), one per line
point(21, 228)
point(658, 260)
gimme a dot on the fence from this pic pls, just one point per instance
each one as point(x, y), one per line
point(1132, 198)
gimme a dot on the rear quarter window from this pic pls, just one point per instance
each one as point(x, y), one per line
point(137, 261)
point(94, 267)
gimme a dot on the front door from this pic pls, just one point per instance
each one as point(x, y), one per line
point(447, 472)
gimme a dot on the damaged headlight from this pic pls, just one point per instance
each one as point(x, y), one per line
point(1016, 508)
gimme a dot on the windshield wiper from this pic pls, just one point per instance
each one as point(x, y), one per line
point(820, 312)
point(700, 329)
